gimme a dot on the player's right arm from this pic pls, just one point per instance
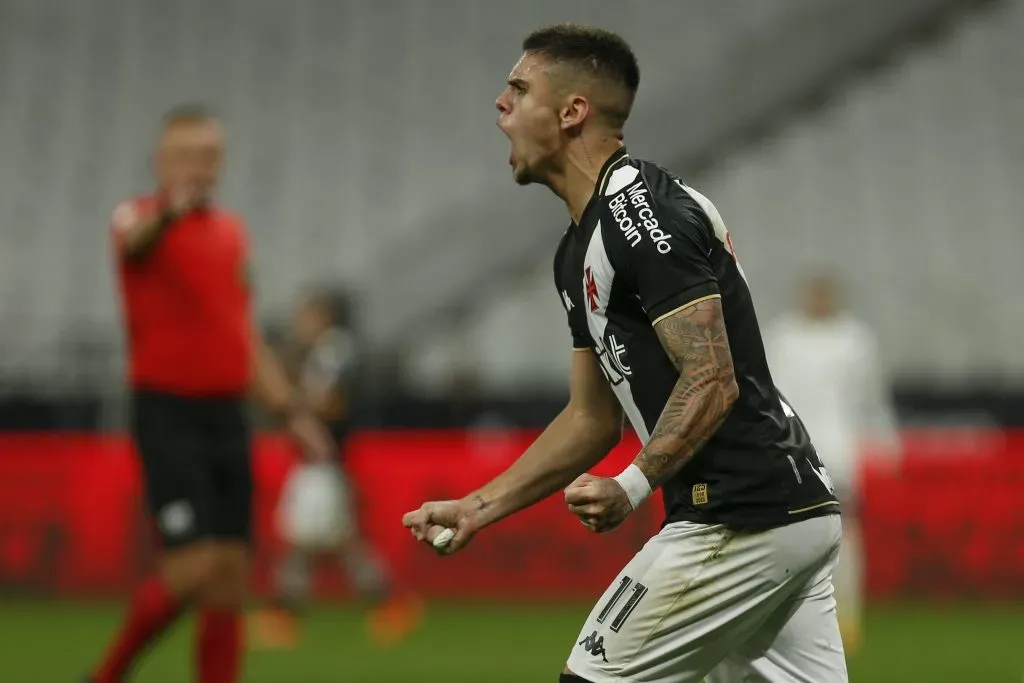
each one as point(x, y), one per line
point(578, 438)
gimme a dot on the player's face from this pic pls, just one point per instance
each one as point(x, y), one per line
point(528, 115)
point(308, 323)
point(190, 157)
point(821, 297)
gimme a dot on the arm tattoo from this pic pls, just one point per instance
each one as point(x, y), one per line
point(481, 504)
point(696, 343)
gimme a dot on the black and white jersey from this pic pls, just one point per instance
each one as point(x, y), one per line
point(329, 366)
point(646, 246)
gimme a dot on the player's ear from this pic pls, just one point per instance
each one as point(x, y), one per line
point(574, 112)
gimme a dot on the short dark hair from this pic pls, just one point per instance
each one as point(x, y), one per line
point(334, 302)
point(601, 54)
point(190, 112)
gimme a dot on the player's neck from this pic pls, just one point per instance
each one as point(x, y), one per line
point(584, 160)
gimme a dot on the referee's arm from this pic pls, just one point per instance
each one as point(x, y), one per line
point(138, 233)
point(272, 387)
point(270, 383)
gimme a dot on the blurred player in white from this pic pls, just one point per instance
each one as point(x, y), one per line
point(317, 512)
point(825, 361)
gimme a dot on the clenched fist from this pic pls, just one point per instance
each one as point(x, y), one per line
point(599, 502)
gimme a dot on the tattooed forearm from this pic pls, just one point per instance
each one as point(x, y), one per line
point(696, 342)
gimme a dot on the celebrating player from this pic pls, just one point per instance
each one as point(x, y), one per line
point(194, 356)
point(318, 510)
point(737, 585)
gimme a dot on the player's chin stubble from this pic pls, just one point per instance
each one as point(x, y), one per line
point(522, 176)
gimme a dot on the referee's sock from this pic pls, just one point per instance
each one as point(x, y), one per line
point(219, 646)
point(152, 609)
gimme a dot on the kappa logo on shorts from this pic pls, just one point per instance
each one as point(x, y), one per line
point(177, 518)
point(594, 644)
point(700, 494)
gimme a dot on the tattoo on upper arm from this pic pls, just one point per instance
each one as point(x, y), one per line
point(696, 342)
point(695, 338)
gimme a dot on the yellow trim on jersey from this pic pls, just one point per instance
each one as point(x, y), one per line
point(813, 507)
point(692, 303)
point(608, 172)
point(581, 348)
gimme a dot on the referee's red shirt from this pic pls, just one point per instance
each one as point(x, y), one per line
point(187, 305)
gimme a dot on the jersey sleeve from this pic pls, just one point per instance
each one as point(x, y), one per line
point(577, 328)
point(580, 338)
point(665, 240)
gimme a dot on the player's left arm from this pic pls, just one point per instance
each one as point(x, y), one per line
point(696, 341)
point(680, 292)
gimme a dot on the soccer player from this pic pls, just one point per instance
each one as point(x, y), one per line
point(737, 584)
point(194, 357)
point(826, 361)
point(324, 352)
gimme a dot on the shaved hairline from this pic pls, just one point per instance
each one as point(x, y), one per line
point(611, 101)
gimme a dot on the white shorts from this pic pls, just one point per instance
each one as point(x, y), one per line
point(700, 600)
point(316, 511)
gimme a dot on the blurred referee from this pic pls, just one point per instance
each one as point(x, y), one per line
point(195, 356)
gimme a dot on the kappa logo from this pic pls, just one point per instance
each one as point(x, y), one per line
point(594, 644)
point(590, 289)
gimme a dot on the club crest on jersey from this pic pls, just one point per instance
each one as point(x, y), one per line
point(700, 494)
point(590, 289)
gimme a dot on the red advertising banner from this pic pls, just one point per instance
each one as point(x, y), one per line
point(72, 522)
point(948, 519)
point(945, 520)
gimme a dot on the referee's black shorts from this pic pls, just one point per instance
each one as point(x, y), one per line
point(195, 456)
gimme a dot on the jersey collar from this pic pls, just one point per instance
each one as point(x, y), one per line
point(606, 171)
point(615, 160)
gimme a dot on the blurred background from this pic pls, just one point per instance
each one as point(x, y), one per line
point(867, 156)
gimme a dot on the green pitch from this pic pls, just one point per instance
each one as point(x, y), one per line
point(49, 642)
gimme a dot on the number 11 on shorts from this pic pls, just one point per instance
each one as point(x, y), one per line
point(639, 590)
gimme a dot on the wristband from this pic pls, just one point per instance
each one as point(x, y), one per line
point(634, 482)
